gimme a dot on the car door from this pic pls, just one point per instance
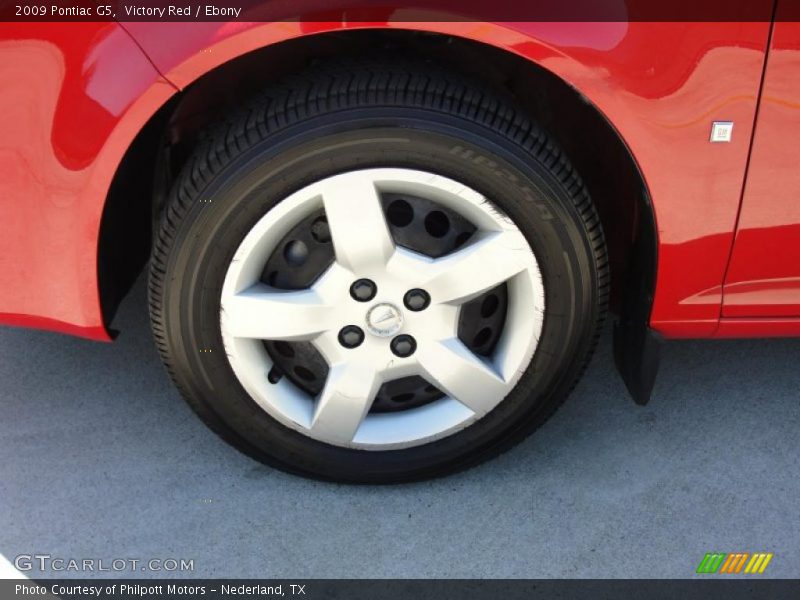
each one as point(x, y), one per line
point(763, 278)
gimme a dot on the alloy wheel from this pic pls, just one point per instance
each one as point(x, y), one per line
point(381, 308)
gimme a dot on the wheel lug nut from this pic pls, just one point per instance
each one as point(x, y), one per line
point(351, 336)
point(320, 230)
point(416, 299)
point(363, 290)
point(403, 345)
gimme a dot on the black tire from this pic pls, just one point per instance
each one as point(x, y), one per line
point(333, 119)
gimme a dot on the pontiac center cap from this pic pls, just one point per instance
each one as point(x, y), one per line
point(384, 319)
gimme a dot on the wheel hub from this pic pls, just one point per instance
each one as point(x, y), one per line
point(453, 297)
point(384, 319)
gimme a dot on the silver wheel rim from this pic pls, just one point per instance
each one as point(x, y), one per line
point(473, 385)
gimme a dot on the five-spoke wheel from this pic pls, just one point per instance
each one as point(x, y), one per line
point(381, 312)
point(377, 272)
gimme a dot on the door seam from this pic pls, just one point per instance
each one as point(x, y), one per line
point(759, 94)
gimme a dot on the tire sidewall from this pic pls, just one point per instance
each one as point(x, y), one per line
point(238, 195)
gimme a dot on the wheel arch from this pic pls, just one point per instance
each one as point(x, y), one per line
point(214, 79)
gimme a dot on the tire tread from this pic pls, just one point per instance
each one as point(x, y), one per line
point(327, 88)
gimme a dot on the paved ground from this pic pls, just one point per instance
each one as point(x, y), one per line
point(101, 459)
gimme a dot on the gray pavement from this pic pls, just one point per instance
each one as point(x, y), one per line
point(101, 459)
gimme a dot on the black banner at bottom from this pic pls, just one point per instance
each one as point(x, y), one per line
point(390, 589)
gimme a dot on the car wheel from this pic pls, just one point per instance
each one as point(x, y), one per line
point(377, 273)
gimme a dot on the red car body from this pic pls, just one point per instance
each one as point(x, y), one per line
point(74, 96)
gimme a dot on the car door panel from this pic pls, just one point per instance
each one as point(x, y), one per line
point(763, 278)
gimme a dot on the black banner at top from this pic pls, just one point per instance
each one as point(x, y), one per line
point(371, 11)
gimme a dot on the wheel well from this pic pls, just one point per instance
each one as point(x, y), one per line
point(589, 140)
